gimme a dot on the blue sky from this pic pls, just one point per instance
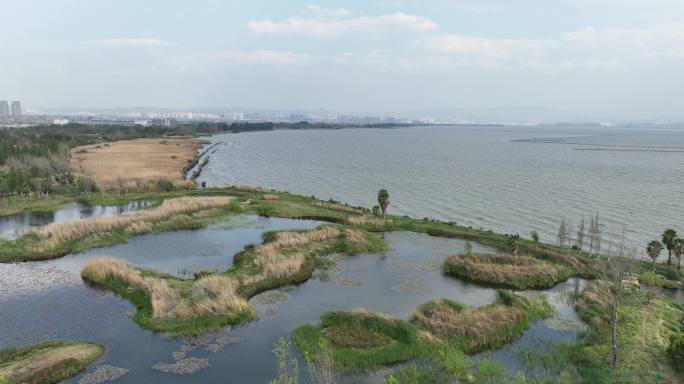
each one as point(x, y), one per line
point(593, 58)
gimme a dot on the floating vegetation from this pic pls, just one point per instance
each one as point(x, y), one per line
point(407, 284)
point(102, 374)
point(179, 355)
point(270, 297)
point(559, 323)
point(221, 342)
point(187, 366)
point(344, 282)
point(421, 266)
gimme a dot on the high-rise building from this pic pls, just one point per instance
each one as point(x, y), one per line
point(4, 108)
point(16, 109)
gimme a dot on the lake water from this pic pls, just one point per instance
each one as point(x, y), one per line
point(59, 305)
point(508, 179)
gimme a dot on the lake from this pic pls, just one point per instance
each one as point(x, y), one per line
point(508, 179)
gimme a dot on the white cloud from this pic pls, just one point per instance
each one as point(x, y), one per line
point(492, 47)
point(338, 27)
point(136, 42)
point(328, 13)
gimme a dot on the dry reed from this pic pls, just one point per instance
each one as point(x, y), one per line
point(131, 222)
point(274, 264)
point(208, 296)
point(368, 220)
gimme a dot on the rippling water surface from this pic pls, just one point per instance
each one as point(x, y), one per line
point(509, 179)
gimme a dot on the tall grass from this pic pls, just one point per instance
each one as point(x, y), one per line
point(519, 272)
point(476, 329)
point(274, 264)
point(367, 220)
point(209, 296)
point(132, 222)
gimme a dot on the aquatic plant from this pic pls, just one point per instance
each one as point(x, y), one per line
point(47, 362)
point(522, 272)
point(486, 327)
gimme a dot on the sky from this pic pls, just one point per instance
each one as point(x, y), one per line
point(598, 59)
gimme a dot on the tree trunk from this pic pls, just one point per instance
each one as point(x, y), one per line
point(613, 334)
point(669, 256)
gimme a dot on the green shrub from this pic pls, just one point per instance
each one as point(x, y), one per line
point(676, 348)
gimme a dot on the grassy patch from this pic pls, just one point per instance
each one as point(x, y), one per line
point(643, 333)
point(368, 341)
point(48, 362)
point(396, 340)
point(475, 329)
point(522, 272)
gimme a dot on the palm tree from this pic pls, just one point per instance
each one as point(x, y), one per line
point(678, 251)
point(383, 200)
point(513, 243)
point(669, 239)
point(653, 249)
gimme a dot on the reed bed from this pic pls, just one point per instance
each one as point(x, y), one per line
point(476, 329)
point(368, 220)
point(170, 298)
point(247, 188)
point(274, 264)
point(519, 272)
point(131, 222)
point(337, 207)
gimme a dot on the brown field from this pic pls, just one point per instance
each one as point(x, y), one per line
point(135, 162)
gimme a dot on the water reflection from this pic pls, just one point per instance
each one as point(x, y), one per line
point(14, 226)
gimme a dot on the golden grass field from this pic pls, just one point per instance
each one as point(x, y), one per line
point(135, 162)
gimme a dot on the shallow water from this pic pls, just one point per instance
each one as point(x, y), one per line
point(13, 226)
point(55, 303)
point(479, 176)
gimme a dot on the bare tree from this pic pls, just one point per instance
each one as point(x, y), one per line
point(119, 184)
point(580, 235)
point(562, 233)
point(614, 267)
point(595, 233)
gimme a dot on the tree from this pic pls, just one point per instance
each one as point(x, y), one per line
point(513, 243)
point(562, 233)
point(383, 200)
point(595, 235)
point(614, 267)
point(669, 239)
point(580, 234)
point(468, 248)
point(653, 249)
point(678, 251)
point(650, 281)
point(535, 236)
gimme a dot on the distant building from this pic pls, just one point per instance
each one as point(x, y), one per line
point(143, 123)
point(60, 121)
point(166, 122)
point(4, 108)
point(16, 109)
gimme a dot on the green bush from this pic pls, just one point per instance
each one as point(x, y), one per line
point(676, 348)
